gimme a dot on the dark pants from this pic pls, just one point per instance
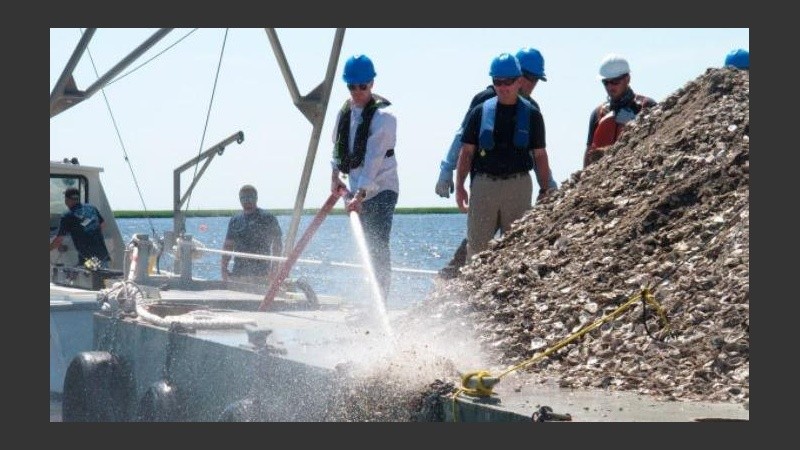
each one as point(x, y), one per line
point(460, 256)
point(376, 218)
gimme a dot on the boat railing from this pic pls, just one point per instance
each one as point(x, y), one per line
point(141, 252)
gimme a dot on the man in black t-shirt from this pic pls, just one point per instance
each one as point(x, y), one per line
point(502, 138)
point(253, 230)
point(84, 223)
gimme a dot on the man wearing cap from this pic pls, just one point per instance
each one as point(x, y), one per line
point(502, 139)
point(622, 105)
point(84, 223)
point(253, 230)
point(532, 65)
point(363, 152)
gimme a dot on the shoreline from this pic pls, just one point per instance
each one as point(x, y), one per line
point(138, 214)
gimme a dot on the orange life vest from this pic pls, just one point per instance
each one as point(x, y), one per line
point(608, 129)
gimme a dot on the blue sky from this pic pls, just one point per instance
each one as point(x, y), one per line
point(429, 75)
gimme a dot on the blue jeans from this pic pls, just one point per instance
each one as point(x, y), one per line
point(376, 219)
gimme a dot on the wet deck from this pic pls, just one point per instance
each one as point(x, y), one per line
point(304, 349)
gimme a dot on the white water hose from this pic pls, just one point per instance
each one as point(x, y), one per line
point(313, 261)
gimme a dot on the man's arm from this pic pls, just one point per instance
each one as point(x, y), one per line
point(336, 182)
point(444, 185)
point(225, 259)
point(465, 157)
point(55, 243)
point(60, 233)
point(551, 184)
point(587, 157)
point(277, 240)
point(542, 171)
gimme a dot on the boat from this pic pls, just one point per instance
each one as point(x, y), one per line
point(73, 290)
point(138, 342)
point(141, 342)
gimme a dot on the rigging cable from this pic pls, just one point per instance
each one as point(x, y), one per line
point(208, 113)
point(121, 143)
point(149, 60)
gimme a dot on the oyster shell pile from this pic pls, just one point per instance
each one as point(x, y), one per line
point(666, 208)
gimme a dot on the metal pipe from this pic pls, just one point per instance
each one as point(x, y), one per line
point(178, 219)
point(313, 106)
point(125, 62)
point(66, 75)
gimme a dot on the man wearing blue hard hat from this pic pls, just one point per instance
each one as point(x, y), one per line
point(363, 152)
point(532, 65)
point(503, 141)
point(738, 58)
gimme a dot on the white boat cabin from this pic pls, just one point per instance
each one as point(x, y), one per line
point(69, 173)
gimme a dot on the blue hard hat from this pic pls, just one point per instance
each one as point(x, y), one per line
point(358, 69)
point(531, 61)
point(505, 66)
point(739, 58)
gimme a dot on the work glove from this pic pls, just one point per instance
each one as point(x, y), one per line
point(445, 186)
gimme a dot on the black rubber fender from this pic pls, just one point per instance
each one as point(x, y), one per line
point(245, 410)
point(160, 403)
point(98, 387)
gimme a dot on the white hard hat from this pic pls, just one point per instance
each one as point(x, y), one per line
point(613, 66)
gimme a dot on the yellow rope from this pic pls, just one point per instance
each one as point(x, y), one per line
point(483, 391)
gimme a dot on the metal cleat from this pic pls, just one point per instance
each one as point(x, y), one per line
point(546, 414)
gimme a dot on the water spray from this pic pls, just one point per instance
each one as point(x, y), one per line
point(355, 224)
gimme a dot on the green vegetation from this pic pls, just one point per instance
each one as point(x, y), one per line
point(130, 214)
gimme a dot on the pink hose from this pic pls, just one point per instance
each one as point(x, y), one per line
point(286, 267)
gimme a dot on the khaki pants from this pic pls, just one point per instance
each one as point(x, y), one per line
point(493, 204)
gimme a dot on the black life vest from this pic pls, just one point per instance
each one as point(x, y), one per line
point(345, 160)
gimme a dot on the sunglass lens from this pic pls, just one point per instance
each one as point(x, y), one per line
point(503, 81)
point(613, 81)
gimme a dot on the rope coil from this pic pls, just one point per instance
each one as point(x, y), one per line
point(127, 298)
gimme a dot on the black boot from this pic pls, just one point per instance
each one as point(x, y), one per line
point(459, 258)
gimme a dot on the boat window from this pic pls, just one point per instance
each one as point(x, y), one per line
point(58, 184)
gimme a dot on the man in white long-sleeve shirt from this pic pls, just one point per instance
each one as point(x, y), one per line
point(364, 139)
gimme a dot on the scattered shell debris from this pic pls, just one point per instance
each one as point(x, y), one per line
point(666, 208)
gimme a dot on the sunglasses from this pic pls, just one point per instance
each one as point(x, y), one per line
point(503, 81)
point(530, 77)
point(613, 81)
point(361, 86)
point(248, 198)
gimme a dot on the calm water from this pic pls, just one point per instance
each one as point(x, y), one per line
point(419, 241)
